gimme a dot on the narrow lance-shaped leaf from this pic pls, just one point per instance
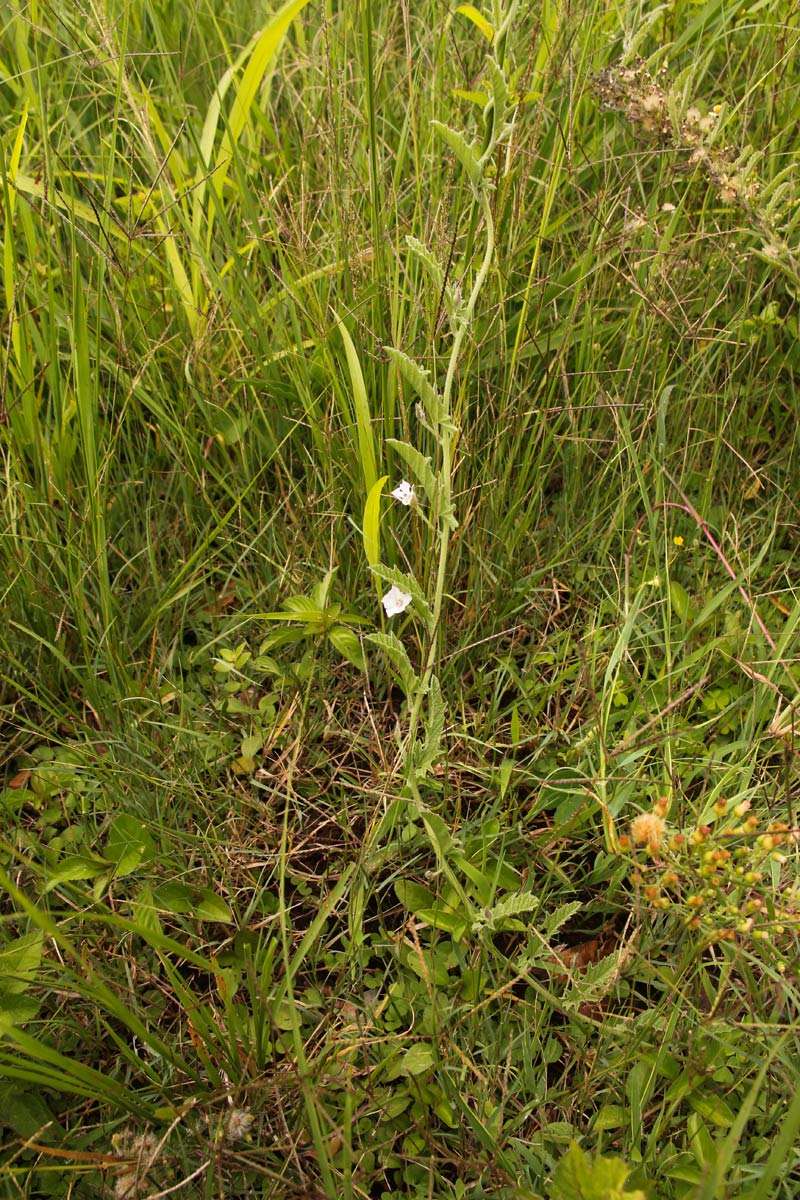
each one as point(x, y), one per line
point(425, 754)
point(515, 905)
point(479, 98)
point(8, 239)
point(560, 916)
point(418, 380)
point(464, 151)
point(430, 265)
point(366, 445)
point(20, 960)
point(206, 147)
point(395, 651)
point(499, 89)
point(406, 583)
point(478, 20)
point(434, 726)
point(371, 527)
point(419, 465)
point(264, 49)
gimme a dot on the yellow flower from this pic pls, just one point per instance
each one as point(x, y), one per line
point(678, 540)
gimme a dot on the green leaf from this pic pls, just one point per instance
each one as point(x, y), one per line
point(73, 868)
point(595, 982)
point(479, 98)
point(144, 912)
point(418, 1059)
point(579, 1177)
point(426, 754)
point(174, 898)
point(320, 593)
point(434, 725)
point(679, 599)
point(713, 1108)
point(12, 799)
point(395, 651)
point(418, 379)
point(128, 844)
point(499, 87)
point(27, 1114)
point(610, 1116)
point(19, 962)
point(15, 1009)
point(284, 1016)
point(264, 48)
point(478, 20)
point(430, 265)
point(609, 1176)
point(366, 444)
point(348, 645)
point(305, 608)
point(371, 531)
point(413, 896)
point(419, 465)
point(251, 745)
point(210, 907)
point(564, 913)
point(282, 637)
point(424, 904)
point(229, 427)
point(407, 583)
point(509, 907)
point(447, 919)
point(784, 1144)
point(438, 832)
point(464, 151)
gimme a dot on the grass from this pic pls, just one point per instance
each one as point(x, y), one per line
point(300, 899)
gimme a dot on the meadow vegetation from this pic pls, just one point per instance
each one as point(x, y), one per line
point(399, 654)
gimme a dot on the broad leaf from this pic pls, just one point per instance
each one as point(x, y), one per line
point(348, 645)
point(418, 1059)
point(19, 962)
point(580, 1177)
point(413, 896)
point(75, 867)
point(128, 844)
point(211, 907)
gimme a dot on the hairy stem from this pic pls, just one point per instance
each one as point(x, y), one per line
point(449, 436)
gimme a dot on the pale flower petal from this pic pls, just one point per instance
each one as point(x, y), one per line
point(396, 601)
point(404, 493)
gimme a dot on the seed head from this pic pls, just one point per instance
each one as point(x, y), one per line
point(238, 1125)
point(648, 830)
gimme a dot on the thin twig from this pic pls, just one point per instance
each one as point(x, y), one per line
point(176, 1187)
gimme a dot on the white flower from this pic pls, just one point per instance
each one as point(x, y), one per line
point(404, 493)
point(396, 601)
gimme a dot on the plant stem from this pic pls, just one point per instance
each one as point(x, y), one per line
point(449, 435)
